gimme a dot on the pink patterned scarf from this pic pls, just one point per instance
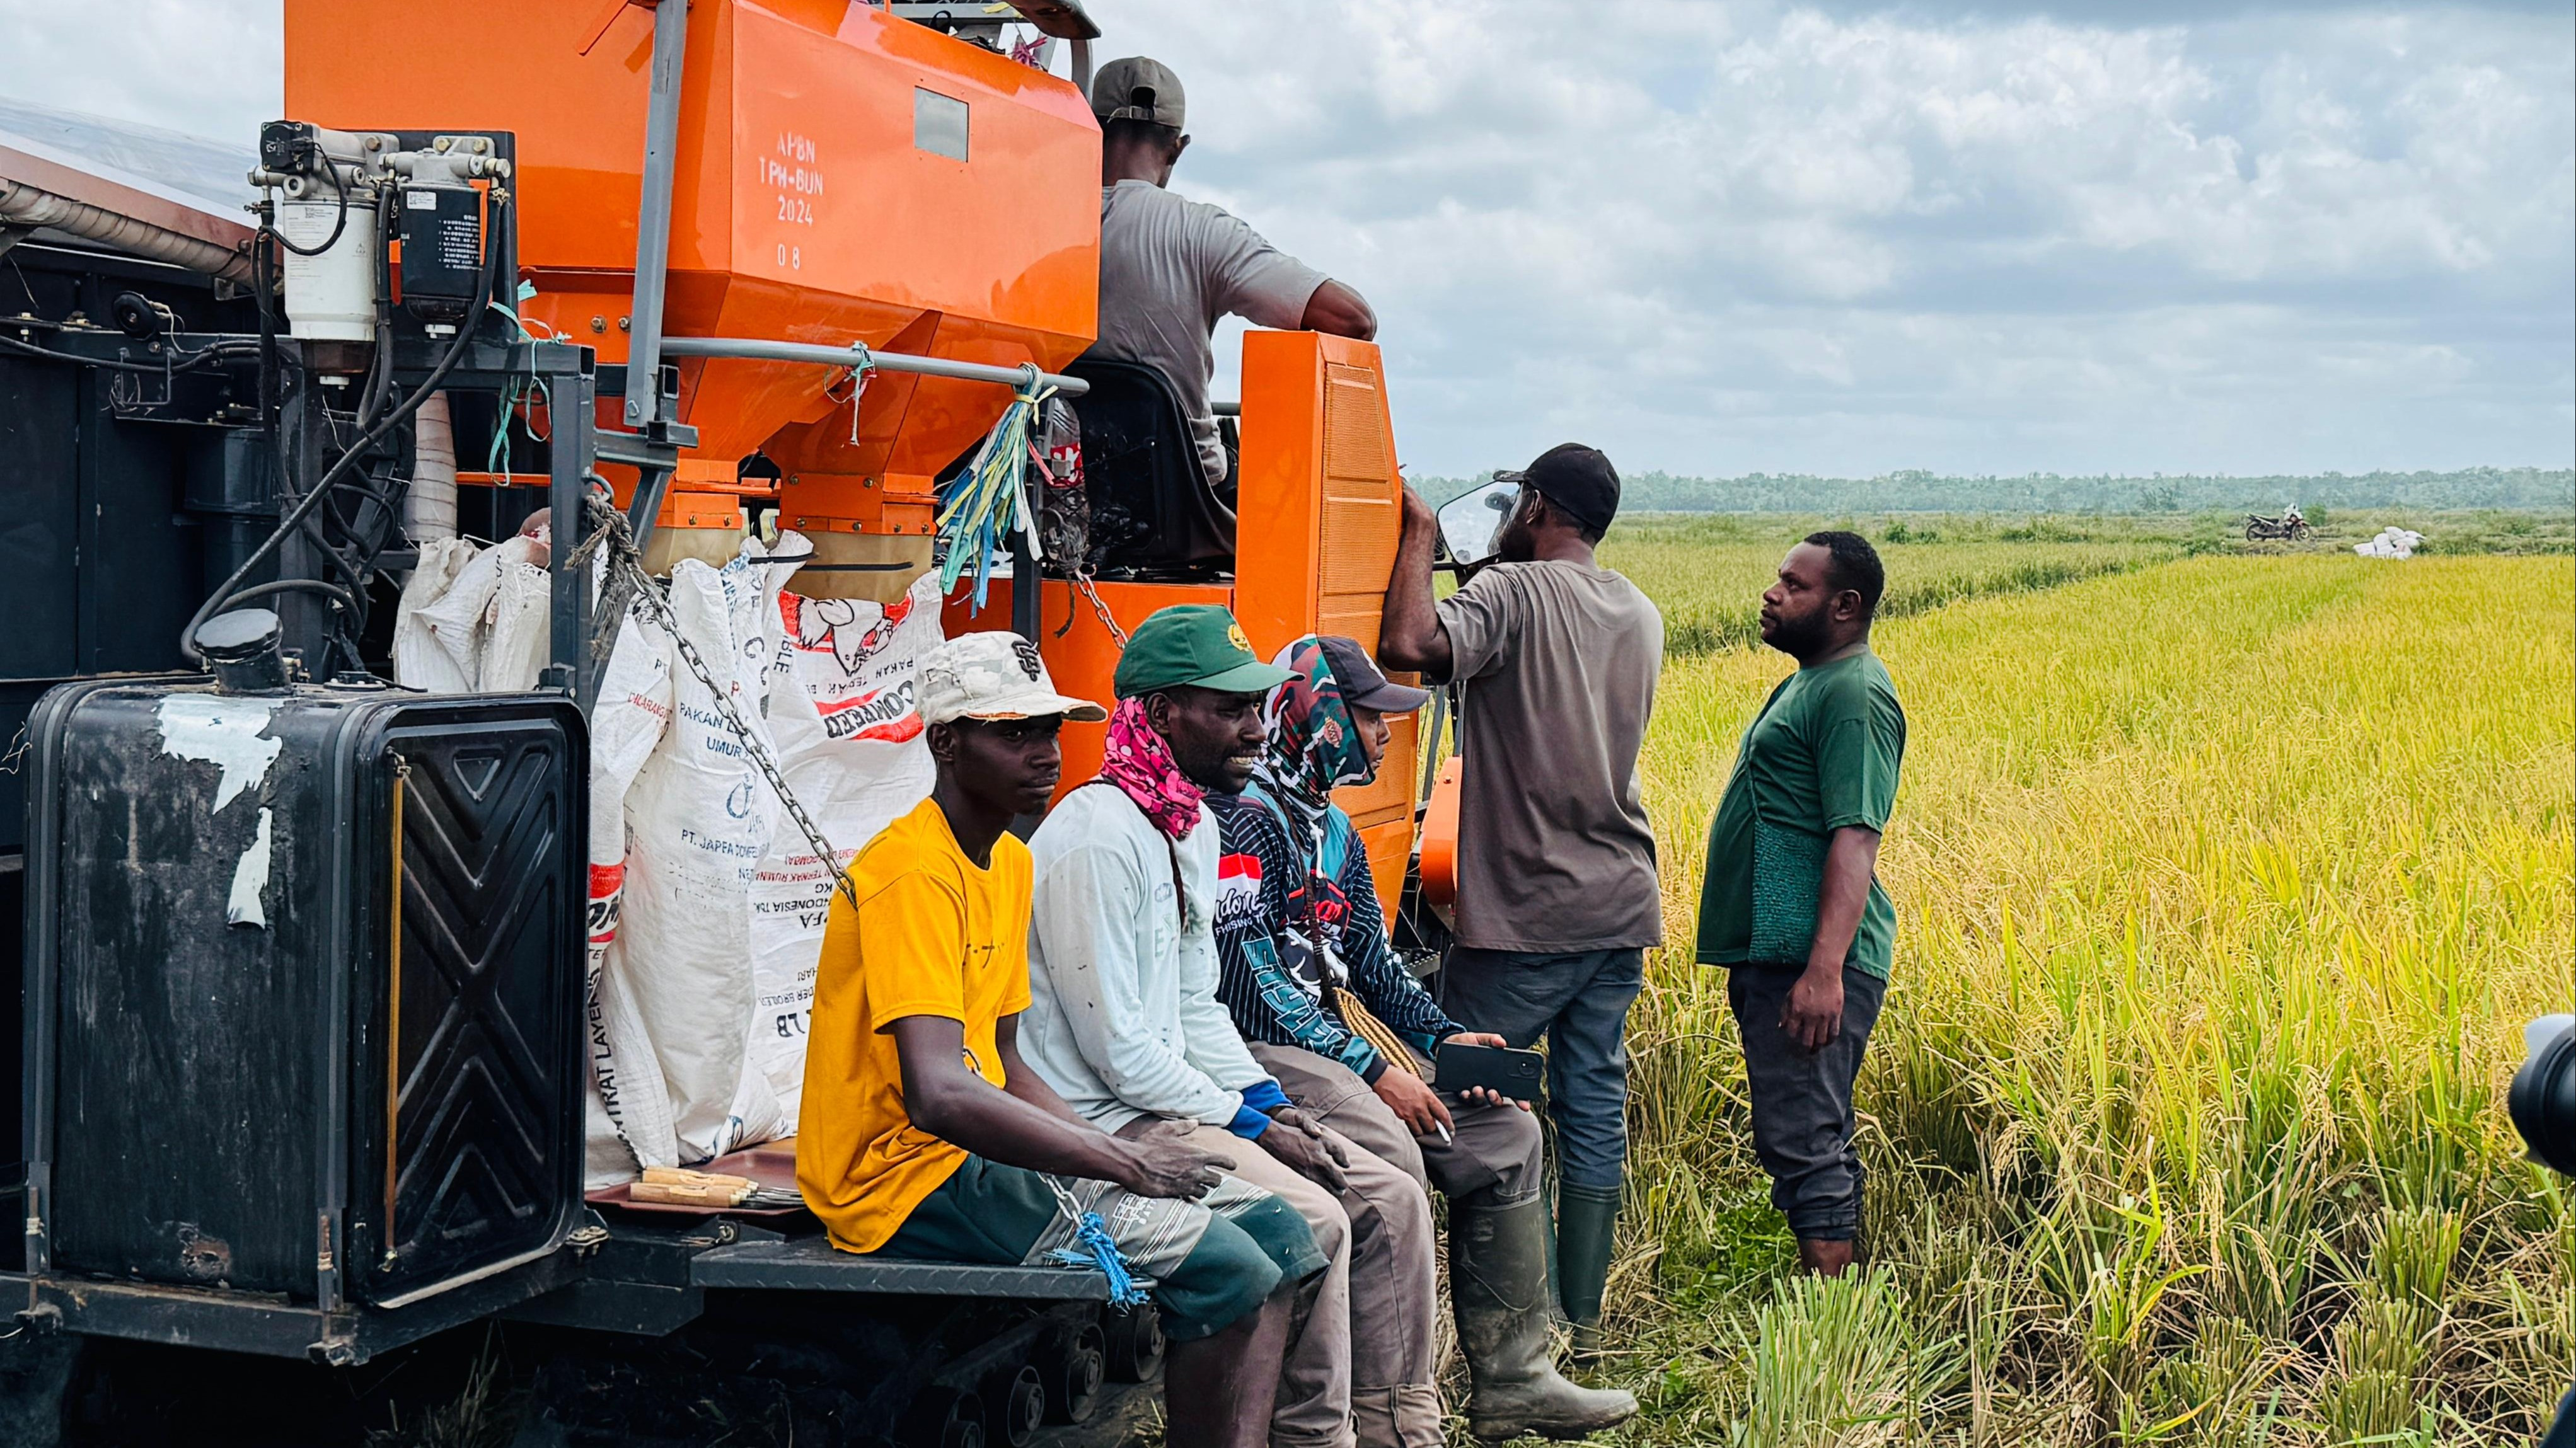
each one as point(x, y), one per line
point(1140, 762)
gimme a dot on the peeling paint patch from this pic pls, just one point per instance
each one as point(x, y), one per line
point(224, 732)
point(202, 1258)
point(250, 877)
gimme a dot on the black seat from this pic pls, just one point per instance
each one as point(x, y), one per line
point(1152, 511)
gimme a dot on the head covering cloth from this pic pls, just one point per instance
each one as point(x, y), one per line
point(1313, 747)
point(1139, 762)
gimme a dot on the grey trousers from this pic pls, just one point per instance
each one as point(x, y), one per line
point(1360, 1369)
point(1802, 1099)
point(1493, 1161)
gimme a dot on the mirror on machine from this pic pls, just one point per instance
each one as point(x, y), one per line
point(1469, 521)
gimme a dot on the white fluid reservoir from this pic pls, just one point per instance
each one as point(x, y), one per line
point(330, 297)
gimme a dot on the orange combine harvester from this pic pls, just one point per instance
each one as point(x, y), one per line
point(315, 1024)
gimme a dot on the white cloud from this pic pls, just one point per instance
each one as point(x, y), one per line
point(207, 67)
point(1722, 235)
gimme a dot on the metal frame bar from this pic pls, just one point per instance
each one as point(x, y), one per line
point(813, 1264)
point(758, 350)
point(569, 457)
point(650, 1280)
point(653, 215)
point(253, 1323)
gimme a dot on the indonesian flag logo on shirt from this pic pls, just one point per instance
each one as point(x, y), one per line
point(1238, 888)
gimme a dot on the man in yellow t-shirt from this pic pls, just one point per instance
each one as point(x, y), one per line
point(925, 1136)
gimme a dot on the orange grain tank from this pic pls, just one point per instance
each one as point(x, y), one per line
point(843, 176)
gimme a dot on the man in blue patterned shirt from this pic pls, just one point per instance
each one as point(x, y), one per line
point(1333, 1015)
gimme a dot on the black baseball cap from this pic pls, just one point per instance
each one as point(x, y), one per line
point(1579, 480)
point(1361, 681)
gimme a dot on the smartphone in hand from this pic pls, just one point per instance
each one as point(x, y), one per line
point(1463, 1067)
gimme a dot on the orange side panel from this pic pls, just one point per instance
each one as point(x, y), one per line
point(1440, 835)
point(1319, 508)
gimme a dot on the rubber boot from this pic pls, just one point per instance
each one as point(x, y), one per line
point(1498, 1291)
point(1587, 1218)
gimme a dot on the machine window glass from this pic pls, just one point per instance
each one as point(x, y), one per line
point(939, 124)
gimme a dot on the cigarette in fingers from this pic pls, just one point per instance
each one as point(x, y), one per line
point(1445, 1138)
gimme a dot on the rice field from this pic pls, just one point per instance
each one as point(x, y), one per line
point(1710, 572)
point(2225, 885)
point(1710, 568)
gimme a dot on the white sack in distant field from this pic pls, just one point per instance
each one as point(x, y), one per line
point(671, 1012)
point(853, 752)
point(2392, 542)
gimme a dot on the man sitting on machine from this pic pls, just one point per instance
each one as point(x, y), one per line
point(1328, 1009)
point(1125, 1022)
point(1170, 267)
point(926, 1134)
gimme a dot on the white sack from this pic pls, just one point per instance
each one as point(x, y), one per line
point(472, 620)
point(671, 1013)
point(852, 749)
point(419, 661)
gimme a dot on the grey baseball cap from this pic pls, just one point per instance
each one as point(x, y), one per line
point(1138, 89)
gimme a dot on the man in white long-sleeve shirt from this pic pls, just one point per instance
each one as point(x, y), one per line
point(1125, 1024)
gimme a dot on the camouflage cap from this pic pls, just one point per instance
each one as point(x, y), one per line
point(991, 675)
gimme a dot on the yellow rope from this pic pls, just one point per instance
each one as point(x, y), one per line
point(1372, 1030)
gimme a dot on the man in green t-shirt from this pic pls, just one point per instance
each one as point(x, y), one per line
point(1792, 905)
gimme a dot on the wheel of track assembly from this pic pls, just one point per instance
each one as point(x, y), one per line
point(1021, 1409)
point(944, 1418)
point(1073, 1379)
point(1135, 1344)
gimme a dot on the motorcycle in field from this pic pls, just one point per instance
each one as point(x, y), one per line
point(2290, 527)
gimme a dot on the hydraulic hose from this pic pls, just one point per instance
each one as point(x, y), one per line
point(25, 205)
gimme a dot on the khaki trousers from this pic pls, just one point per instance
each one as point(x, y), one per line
point(1360, 1369)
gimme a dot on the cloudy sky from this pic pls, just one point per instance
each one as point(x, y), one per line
point(1722, 236)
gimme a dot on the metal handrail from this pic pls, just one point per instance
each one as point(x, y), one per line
point(757, 350)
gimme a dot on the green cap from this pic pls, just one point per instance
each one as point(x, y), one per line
point(1194, 644)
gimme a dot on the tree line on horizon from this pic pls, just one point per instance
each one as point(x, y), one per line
point(1916, 490)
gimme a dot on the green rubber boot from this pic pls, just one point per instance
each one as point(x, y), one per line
point(1498, 1290)
point(1587, 1221)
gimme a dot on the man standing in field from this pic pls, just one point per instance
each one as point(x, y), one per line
point(1791, 906)
point(1557, 899)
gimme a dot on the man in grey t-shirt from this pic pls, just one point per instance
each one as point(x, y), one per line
point(1170, 268)
point(1557, 895)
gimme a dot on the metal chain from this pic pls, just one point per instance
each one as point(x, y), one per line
point(609, 530)
point(1082, 585)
